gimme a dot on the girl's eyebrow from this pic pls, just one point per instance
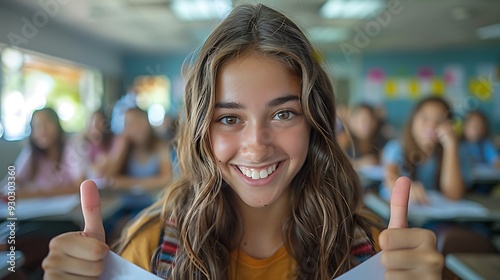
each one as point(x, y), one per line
point(228, 105)
point(282, 100)
point(273, 103)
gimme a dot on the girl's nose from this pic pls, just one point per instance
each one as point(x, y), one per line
point(257, 143)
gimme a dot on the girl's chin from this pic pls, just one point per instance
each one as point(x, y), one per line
point(258, 203)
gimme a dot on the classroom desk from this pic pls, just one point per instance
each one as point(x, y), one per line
point(480, 174)
point(491, 212)
point(485, 174)
point(109, 205)
point(474, 266)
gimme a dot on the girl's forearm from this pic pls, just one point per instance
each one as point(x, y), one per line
point(452, 185)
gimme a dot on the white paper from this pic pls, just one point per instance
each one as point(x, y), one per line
point(41, 207)
point(441, 207)
point(118, 268)
point(370, 269)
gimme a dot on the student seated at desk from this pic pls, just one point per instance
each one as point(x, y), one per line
point(139, 167)
point(49, 165)
point(475, 138)
point(429, 154)
point(367, 142)
point(139, 160)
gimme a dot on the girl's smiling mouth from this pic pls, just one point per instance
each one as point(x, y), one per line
point(258, 173)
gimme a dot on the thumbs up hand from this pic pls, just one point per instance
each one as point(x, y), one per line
point(408, 253)
point(78, 255)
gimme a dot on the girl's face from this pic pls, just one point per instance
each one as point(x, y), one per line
point(474, 128)
point(258, 133)
point(362, 123)
point(44, 131)
point(137, 129)
point(425, 123)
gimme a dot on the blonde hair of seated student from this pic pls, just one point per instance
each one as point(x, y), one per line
point(255, 97)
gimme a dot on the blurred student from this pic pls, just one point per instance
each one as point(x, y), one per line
point(139, 166)
point(49, 165)
point(367, 142)
point(476, 139)
point(429, 154)
point(139, 159)
point(99, 139)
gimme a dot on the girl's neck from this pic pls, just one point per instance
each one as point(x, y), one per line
point(52, 153)
point(261, 228)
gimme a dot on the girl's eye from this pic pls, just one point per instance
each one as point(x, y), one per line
point(228, 120)
point(283, 115)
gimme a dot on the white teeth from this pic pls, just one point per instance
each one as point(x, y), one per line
point(257, 174)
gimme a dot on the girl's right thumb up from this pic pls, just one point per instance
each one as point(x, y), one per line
point(91, 208)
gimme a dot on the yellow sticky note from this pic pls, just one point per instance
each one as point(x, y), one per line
point(413, 89)
point(391, 88)
point(438, 87)
point(481, 88)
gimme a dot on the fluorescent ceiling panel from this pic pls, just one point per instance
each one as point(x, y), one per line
point(192, 10)
point(350, 8)
point(489, 32)
point(328, 34)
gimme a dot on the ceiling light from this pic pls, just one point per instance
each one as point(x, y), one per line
point(489, 32)
point(350, 8)
point(192, 10)
point(328, 34)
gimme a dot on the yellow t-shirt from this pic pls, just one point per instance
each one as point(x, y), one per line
point(142, 246)
point(280, 265)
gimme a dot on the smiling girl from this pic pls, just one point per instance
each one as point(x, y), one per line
point(265, 190)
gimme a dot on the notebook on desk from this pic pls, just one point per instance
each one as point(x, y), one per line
point(40, 207)
point(441, 207)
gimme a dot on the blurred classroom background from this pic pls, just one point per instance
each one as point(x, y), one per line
point(109, 73)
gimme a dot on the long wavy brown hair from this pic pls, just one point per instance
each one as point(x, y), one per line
point(325, 194)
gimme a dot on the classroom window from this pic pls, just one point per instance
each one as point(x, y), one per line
point(32, 81)
point(153, 96)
